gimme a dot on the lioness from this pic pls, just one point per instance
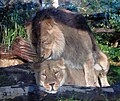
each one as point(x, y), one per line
point(52, 74)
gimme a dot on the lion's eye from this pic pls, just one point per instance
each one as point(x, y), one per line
point(43, 42)
point(57, 73)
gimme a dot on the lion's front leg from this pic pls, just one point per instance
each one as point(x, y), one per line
point(90, 76)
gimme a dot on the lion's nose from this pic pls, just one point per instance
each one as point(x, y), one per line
point(42, 57)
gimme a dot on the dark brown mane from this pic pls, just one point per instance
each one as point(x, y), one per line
point(70, 24)
point(73, 20)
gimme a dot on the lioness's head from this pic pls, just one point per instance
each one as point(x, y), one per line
point(50, 74)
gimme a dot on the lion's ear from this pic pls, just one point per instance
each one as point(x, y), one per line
point(61, 63)
point(48, 23)
point(28, 28)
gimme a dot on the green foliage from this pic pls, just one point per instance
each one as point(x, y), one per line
point(112, 52)
point(114, 56)
point(13, 21)
point(110, 7)
point(12, 27)
point(104, 44)
point(72, 99)
point(68, 6)
point(114, 74)
point(115, 21)
point(98, 6)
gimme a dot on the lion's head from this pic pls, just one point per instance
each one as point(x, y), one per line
point(51, 37)
point(50, 74)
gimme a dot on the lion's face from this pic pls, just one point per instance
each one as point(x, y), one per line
point(51, 37)
point(46, 45)
point(50, 74)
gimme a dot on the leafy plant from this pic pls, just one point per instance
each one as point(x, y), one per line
point(112, 52)
point(114, 74)
point(14, 19)
point(115, 21)
point(12, 28)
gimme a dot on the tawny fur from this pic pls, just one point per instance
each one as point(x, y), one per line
point(55, 72)
point(57, 33)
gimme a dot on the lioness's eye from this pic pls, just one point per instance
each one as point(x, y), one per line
point(44, 42)
point(43, 76)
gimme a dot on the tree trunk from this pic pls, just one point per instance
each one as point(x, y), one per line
point(20, 86)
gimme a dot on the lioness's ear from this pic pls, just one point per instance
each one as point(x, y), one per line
point(61, 63)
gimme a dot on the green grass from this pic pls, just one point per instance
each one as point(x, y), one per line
point(12, 28)
point(113, 54)
point(114, 74)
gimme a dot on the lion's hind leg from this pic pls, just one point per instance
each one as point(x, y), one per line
point(90, 76)
point(103, 79)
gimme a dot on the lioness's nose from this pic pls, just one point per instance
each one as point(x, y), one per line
point(52, 84)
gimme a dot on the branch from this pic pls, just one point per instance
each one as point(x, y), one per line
point(26, 90)
point(28, 93)
point(104, 30)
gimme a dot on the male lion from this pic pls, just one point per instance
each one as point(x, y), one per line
point(56, 33)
